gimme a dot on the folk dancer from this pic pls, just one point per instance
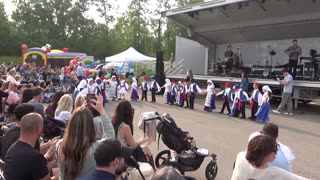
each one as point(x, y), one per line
point(255, 101)
point(192, 91)
point(134, 90)
point(104, 89)
point(174, 92)
point(227, 97)
point(293, 53)
point(210, 103)
point(167, 91)
point(123, 88)
point(154, 88)
point(263, 112)
point(184, 94)
point(144, 89)
point(240, 98)
point(113, 85)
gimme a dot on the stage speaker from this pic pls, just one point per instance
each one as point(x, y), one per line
point(160, 76)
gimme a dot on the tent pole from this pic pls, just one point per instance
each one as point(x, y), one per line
point(136, 68)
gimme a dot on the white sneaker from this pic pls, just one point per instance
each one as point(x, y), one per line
point(276, 111)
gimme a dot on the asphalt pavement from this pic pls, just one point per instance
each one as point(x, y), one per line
point(226, 136)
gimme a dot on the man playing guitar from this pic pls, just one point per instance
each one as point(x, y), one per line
point(229, 55)
point(293, 52)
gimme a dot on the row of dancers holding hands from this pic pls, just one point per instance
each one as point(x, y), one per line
point(185, 92)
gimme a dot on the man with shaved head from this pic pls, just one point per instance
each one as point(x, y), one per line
point(22, 160)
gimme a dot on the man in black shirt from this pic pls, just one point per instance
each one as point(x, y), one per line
point(13, 133)
point(23, 161)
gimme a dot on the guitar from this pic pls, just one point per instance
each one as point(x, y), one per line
point(291, 52)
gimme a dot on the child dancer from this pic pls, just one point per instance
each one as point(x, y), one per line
point(173, 92)
point(184, 94)
point(154, 87)
point(134, 93)
point(210, 103)
point(192, 91)
point(255, 101)
point(144, 89)
point(227, 97)
point(240, 98)
point(113, 84)
point(263, 112)
point(123, 89)
point(167, 91)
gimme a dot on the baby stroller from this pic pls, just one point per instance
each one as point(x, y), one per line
point(183, 153)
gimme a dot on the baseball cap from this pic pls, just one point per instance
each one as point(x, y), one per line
point(108, 150)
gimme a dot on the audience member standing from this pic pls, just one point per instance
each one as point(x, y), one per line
point(36, 101)
point(80, 72)
point(286, 100)
point(244, 82)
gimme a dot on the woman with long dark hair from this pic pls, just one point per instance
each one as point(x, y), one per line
point(75, 153)
point(244, 82)
point(123, 126)
point(26, 95)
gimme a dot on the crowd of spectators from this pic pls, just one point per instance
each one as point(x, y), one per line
point(92, 145)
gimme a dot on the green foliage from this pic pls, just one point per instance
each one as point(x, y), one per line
point(8, 59)
point(63, 23)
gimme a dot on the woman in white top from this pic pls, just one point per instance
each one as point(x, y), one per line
point(209, 103)
point(167, 91)
point(64, 108)
point(253, 164)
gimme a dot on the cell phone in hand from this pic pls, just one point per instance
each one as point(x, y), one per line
point(89, 98)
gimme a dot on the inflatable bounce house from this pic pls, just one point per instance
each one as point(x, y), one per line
point(55, 57)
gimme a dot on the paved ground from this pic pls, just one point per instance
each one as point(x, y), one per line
point(227, 136)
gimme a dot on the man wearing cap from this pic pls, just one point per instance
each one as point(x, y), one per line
point(286, 100)
point(109, 157)
point(154, 88)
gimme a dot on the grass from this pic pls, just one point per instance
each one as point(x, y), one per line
point(8, 59)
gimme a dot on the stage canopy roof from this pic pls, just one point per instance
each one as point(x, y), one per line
point(129, 55)
point(227, 21)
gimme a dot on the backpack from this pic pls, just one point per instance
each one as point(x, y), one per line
point(172, 136)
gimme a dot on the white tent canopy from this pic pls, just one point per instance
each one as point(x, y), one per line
point(130, 55)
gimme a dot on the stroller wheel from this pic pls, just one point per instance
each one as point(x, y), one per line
point(162, 158)
point(211, 170)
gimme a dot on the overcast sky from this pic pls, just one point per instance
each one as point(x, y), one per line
point(122, 4)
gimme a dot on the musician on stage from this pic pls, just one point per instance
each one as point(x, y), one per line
point(293, 52)
point(229, 55)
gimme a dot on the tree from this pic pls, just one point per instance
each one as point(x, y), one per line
point(173, 29)
point(8, 45)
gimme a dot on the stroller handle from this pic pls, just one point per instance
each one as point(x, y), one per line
point(152, 119)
